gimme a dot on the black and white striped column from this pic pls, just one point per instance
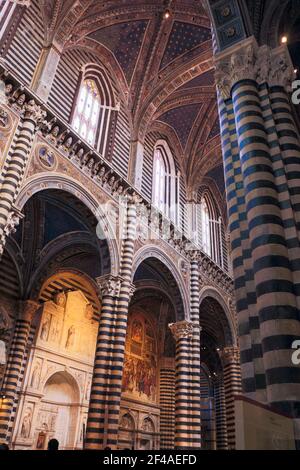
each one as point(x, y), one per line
point(187, 388)
point(220, 414)
point(262, 187)
point(16, 164)
point(167, 404)
point(230, 357)
point(104, 411)
point(102, 389)
point(15, 367)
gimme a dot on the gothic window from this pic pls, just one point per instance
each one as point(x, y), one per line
point(94, 110)
point(205, 227)
point(165, 185)
point(211, 234)
point(86, 115)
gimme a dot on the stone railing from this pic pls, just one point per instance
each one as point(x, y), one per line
point(70, 145)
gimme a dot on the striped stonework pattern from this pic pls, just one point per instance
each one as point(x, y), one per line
point(270, 162)
point(167, 408)
point(248, 324)
point(104, 410)
point(15, 368)
point(187, 385)
point(232, 386)
point(220, 413)
point(15, 167)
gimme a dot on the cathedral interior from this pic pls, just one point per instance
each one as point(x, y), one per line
point(149, 224)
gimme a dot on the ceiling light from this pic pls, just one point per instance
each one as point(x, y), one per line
point(167, 14)
point(284, 39)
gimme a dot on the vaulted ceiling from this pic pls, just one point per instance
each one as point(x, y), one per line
point(163, 66)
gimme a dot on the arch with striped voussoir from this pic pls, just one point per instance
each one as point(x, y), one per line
point(222, 321)
point(68, 281)
point(154, 263)
point(104, 230)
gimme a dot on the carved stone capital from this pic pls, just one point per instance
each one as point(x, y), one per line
point(247, 60)
point(230, 354)
point(109, 285)
point(12, 222)
point(182, 329)
point(34, 112)
point(28, 309)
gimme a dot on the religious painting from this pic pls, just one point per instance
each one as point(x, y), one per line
point(140, 363)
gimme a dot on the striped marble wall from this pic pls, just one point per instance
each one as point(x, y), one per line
point(24, 50)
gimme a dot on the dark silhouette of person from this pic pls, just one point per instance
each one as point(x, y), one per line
point(107, 448)
point(53, 444)
point(4, 446)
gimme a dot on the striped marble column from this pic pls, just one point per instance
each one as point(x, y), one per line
point(187, 388)
point(253, 81)
point(102, 388)
point(220, 414)
point(104, 410)
point(15, 167)
point(230, 357)
point(167, 404)
point(15, 367)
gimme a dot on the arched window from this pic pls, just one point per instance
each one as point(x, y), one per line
point(166, 181)
point(86, 114)
point(211, 235)
point(205, 227)
point(95, 107)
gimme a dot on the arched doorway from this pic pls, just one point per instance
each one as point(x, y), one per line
point(58, 256)
point(58, 415)
point(216, 334)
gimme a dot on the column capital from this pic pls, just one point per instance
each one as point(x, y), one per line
point(109, 285)
point(34, 112)
point(27, 310)
point(248, 61)
point(230, 354)
point(183, 329)
point(13, 221)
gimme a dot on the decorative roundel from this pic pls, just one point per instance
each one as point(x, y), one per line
point(46, 157)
